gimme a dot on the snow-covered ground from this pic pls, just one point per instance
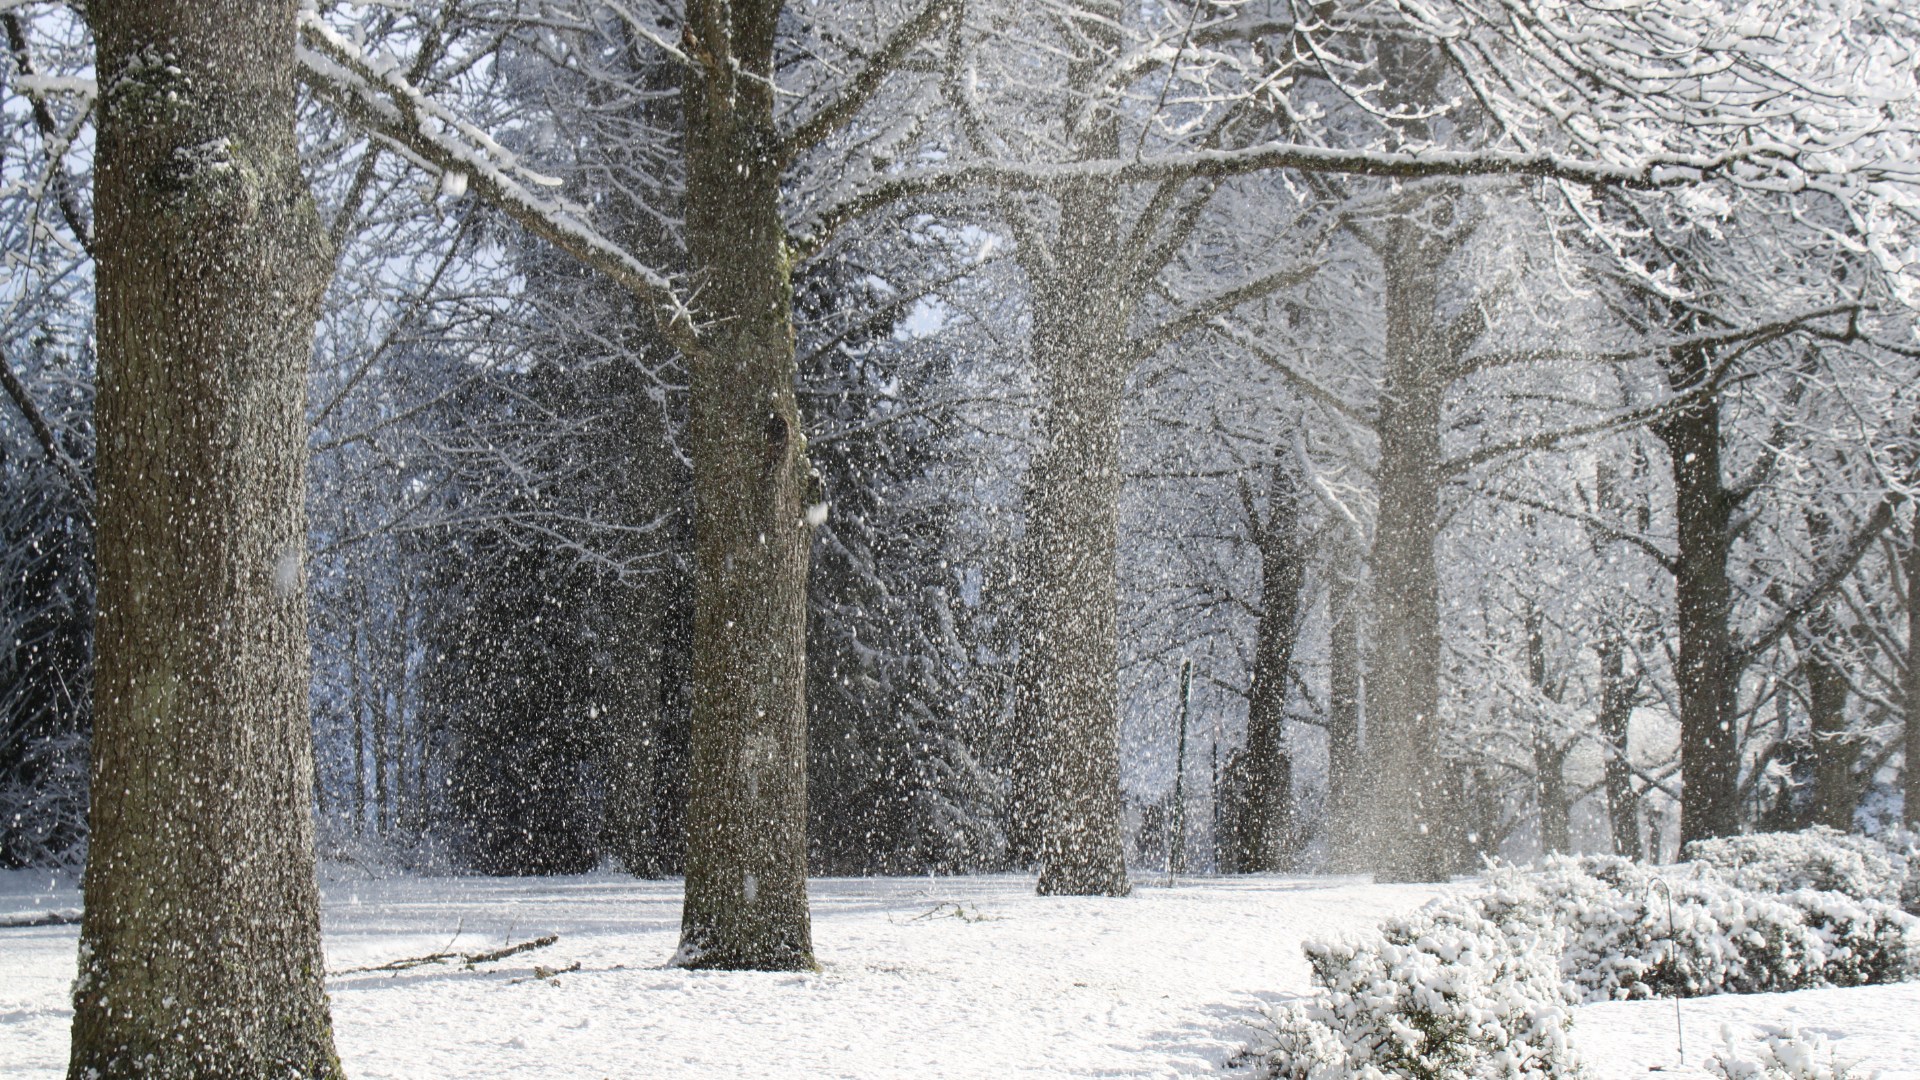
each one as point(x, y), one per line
point(944, 977)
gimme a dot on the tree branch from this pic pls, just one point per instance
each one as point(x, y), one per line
point(1213, 307)
point(1654, 172)
point(864, 85)
point(1592, 521)
point(43, 433)
point(1836, 573)
point(1299, 380)
point(391, 108)
point(62, 183)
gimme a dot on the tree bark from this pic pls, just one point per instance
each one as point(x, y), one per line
point(1549, 759)
point(1067, 767)
point(632, 722)
point(1616, 710)
point(1345, 750)
point(635, 753)
point(1070, 634)
point(357, 706)
point(1834, 796)
point(746, 893)
point(1267, 827)
point(200, 950)
point(1067, 804)
point(1413, 821)
point(1703, 599)
point(1910, 681)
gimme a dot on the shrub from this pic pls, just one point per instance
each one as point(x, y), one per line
point(1442, 995)
point(1628, 930)
point(1818, 858)
point(1483, 985)
point(1863, 942)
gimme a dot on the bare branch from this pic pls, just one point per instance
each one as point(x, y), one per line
point(64, 195)
point(1654, 172)
point(43, 433)
point(864, 85)
point(1204, 312)
point(1835, 573)
point(390, 107)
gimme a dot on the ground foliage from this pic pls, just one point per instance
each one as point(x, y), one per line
point(1483, 984)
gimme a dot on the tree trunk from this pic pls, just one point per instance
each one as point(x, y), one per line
point(1549, 759)
point(1071, 639)
point(1345, 750)
point(634, 751)
point(1910, 682)
point(357, 705)
point(1703, 598)
point(631, 723)
point(1616, 709)
point(746, 893)
point(1834, 751)
point(1027, 799)
point(382, 737)
point(1413, 822)
point(1067, 803)
point(200, 950)
point(1267, 829)
point(1833, 748)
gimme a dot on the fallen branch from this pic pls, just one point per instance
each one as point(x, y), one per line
point(44, 918)
point(545, 973)
point(468, 960)
point(511, 950)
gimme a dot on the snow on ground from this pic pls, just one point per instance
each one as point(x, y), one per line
point(927, 977)
point(1876, 1026)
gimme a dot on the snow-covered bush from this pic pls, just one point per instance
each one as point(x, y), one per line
point(1444, 994)
point(1630, 930)
point(1863, 942)
point(1818, 858)
point(1782, 1053)
point(1482, 985)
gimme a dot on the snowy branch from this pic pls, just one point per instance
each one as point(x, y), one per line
point(387, 105)
point(866, 83)
point(1652, 172)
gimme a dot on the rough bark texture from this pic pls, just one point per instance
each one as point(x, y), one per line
point(1834, 793)
point(1069, 625)
point(1412, 819)
point(639, 764)
point(1834, 748)
point(1067, 805)
point(746, 897)
point(200, 951)
point(1703, 599)
point(631, 759)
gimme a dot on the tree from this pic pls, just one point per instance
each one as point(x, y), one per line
point(200, 947)
point(46, 489)
point(1264, 816)
point(1910, 669)
point(755, 495)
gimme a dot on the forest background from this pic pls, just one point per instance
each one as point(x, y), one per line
point(1503, 446)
